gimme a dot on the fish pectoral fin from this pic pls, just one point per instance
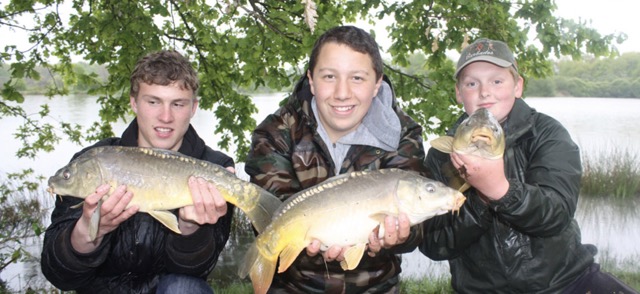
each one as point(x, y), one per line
point(379, 218)
point(464, 187)
point(289, 255)
point(166, 218)
point(443, 144)
point(352, 256)
point(94, 224)
point(77, 205)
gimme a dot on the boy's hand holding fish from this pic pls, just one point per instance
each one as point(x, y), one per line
point(396, 231)
point(485, 174)
point(112, 214)
point(208, 205)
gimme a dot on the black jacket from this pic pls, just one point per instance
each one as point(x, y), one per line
point(528, 241)
point(133, 257)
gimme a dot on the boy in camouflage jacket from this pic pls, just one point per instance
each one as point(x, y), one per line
point(342, 116)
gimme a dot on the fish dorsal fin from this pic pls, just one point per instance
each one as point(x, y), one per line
point(303, 195)
point(166, 218)
point(443, 144)
point(352, 256)
point(289, 254)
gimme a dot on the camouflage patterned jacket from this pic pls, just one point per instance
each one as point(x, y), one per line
point(287, 155)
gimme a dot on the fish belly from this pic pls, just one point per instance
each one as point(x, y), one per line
point(342, 230)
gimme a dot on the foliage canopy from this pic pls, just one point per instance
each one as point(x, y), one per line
point(239, 44)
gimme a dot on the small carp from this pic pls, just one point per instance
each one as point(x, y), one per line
point(343, 211)
point(480, 134)
point(158, 179)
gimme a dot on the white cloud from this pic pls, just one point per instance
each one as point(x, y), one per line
point(612, 16)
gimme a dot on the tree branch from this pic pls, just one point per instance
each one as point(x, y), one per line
point(416, 79)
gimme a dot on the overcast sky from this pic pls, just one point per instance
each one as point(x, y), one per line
point(610, 16)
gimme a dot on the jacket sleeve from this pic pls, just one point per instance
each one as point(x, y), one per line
point(269, 161)
point(445, 236)
point(543, 204)
point(197, 254)
point(64, 267)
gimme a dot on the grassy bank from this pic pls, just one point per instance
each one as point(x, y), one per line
point(629, 275)
point(611, 174)
point(426, 286)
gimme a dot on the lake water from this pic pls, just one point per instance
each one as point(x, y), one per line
point(596, 124)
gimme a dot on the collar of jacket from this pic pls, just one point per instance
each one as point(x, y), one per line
point(520, 122)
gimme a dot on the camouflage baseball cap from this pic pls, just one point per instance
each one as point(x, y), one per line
point(496, 52)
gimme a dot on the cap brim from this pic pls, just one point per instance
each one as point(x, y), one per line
point(487, 58)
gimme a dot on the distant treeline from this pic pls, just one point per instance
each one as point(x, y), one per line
point(615, 77)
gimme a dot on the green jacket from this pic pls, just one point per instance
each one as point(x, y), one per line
point(287, 155)
point(528, 241)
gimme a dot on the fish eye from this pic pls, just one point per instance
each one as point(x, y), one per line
point(431, 188)
point(66, 175)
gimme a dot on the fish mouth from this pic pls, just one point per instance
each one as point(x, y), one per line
point(51, 192)
point(482, 135)
point(458, 200)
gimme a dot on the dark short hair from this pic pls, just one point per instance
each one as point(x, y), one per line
point(164, 68)
point(356, 38)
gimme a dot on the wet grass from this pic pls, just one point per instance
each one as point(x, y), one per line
point(408, 286)
point(611, 174)
point(627, 269)
point(426, 285)
point(441, 285)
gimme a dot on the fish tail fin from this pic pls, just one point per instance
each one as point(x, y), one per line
point(260, 214)
point(260, 269)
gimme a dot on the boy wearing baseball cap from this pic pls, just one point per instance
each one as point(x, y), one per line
point(516, 232)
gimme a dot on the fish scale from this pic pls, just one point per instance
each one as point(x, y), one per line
point(158, 179)
point(343, 211)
